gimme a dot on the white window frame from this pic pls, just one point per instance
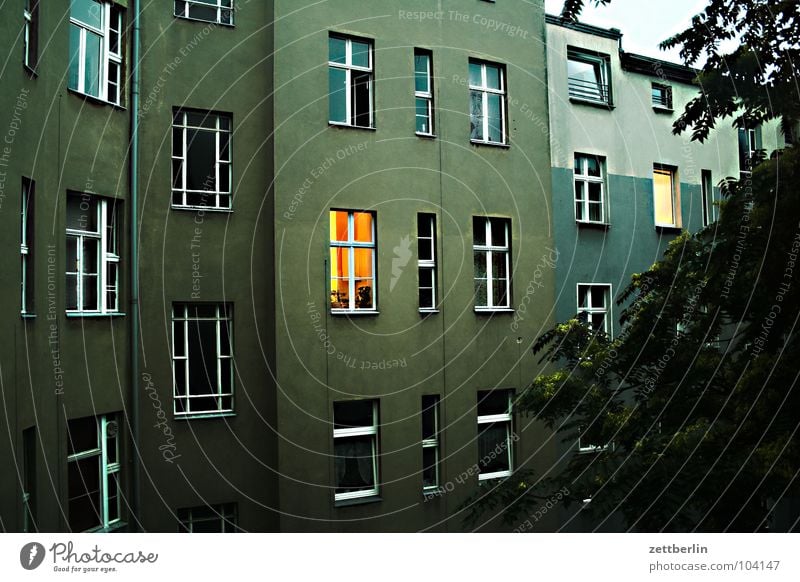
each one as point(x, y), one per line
point(485, 91)
point(588, 449)
point(427, 264)
point(223, 313)
point(372, 431)
point(592, 309)
point(107, 238)
point(182, 10)
point(426, 96)
point(666, 96)
point(27, 240)
point(348, 67)
point(489, 251)
point(603, 83)
point(707, 192)
point(585, 179)
point(507, 418)
point(225, 513)
point(663, 169)
point(351, 245)
point(218, 199)
point(30, 15)
point(433, 442)
point(109, 60)
point(108, 470)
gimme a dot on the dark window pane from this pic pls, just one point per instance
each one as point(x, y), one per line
point(353, 464)
point(74, 56)
point(352, 414)
point(499, 232)
point(82, 435)
point(429, 412)
point(429, 467)
point(202, 357)
point(479, 230)
point(201, 158)
point(493, 402)
point(202, 12)
point(426, 277)
point(361, 98)
point(493, 445)
point(83, 482)
point(426, 298)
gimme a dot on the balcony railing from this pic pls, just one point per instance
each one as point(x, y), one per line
point(588, 90)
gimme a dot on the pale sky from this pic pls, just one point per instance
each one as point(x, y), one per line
point(644, 23)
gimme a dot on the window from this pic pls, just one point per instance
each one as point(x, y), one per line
point(594, 306)
point(92, 254)
point(202, 358)
point(426, 262)
point(430, 443)
point(93, 468)
point(350, 81)
point(423, 91)
point(665, 196)
point(29, 480)
point(26, 247)
point(590, 199)
point(495, 440)
point(707, 190)
point(355, 448)
point(588, 76)
point(219, 11)
point(487, 98)
point(201, 160)
point(588, 439)
point(352, 260)
point(492, 258)
point(95, 48)
point(662, 96)
point(31, 34)
point(219, 518)
point(749, 144)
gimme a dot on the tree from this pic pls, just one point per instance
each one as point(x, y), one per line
point(694, 408)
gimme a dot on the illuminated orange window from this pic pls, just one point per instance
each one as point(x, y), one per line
point(666, 198)
point(352, 260)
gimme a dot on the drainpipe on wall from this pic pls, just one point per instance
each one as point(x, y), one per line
point(134, 271)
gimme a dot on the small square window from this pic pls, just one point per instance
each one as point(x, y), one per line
point(662, 96)
point(219, 518)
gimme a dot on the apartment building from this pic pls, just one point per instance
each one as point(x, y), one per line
point(271, 277)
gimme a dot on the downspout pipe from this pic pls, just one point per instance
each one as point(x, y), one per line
point(134, 268)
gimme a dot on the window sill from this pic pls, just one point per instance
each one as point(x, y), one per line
point(95, 100)
point(425, 135)
point(490, 310)
point(214, 22)
point(668, 228)
point(432, 492)
point(117, 526)
point(493, 144)
point(204, 415)
point(357, 501)
point(203, 208)
point(589, 224)
point(428, 311)
point(27, 315)
point(30, 70)
point(356, 312)
point(662, 109)
point(348, 126)
point(591, 103)
point(81, 314)
point(493, 477)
